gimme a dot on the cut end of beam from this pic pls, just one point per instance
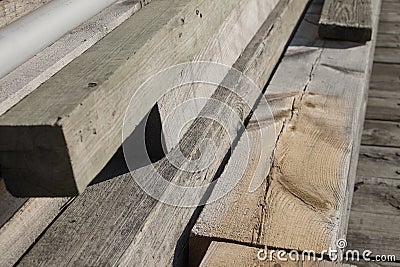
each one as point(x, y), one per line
point(347, 20)
point(38, 164)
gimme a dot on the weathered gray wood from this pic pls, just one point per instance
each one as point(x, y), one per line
point(22, 230)
point(346, 20)
point(226, 254)
point(378, 161)
point(11, 10)
point(8, 204)
point(81, 108)
point(387, 55)
point(388, 40)
point(381, 133)
point(374, 217)
point(304, 202)
point(114, 214)
point(387, 109)
point(392, 28)
point(30, 75)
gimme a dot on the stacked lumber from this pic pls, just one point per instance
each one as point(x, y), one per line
point(120, 220)
point(84, 138)
point(318, 98)
point(346, 20)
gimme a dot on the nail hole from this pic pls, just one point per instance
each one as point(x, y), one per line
point(92, 84)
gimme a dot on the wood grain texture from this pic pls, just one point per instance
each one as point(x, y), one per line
point(138, 230)
point(225, 254)
point(387, 109)
point(23, 229)
point(387, 55)
point(83, 117)
point(307, 194)
point(385, 81)
point(378, 161)
point(374, 216)
point(349, 20)
point(30, 75)
point(11, 10)
point(381, 133)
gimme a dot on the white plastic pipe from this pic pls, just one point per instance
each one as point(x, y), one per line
point(30, 34)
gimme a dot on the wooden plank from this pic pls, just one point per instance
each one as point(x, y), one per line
point(388, 40)
point(11, 10)
point(381, 133)
point(348, 20)
point(114, 222)
point(378, 161)
point(227, 254)
point(392, 28)
point(305, 200)
point(385, 81)
point(387, 109)
point(30, 75)
point(387, 55)
point(8, 204)
point(82, 120)
point(374, 217)
point(26, 225)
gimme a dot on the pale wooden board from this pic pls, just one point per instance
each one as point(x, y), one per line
point(31, 74)
point(381, 133)
point(226, 254)
point(119, 210)
point(22, 230)
point(11, 10)
point(229, 44)
point(85, 122)
point(348, 20)
point(374, 217)
point(378, 161)
point(307, 200)
point(387, 55)
point(387, 109)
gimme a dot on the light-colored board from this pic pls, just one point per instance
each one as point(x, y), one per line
point(225, 255)
point(387, 109)
point(374, 217)
point(381, 133)
point(79, 112)
point(222, 51)
point(119, 210)
point(11, 10)
point(349, 20)
point(30, 75)
point(378, 161)
point(26, 225)
point(387, 55)
point(307, 196)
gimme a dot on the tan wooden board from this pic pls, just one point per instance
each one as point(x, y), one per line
point(304, 202)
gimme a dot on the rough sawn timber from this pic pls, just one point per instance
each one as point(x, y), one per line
point(348, 20)
point(304, 201)
point(81, 108)
point(139, 230)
